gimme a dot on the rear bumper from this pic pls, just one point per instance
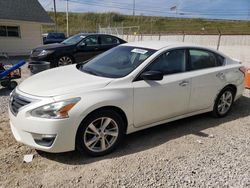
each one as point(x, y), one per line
point(240, 90)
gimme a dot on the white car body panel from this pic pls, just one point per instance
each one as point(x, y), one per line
point(145, 103)
point(159, 100)
point(61, 81)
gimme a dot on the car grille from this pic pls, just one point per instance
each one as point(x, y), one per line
point(17, 102)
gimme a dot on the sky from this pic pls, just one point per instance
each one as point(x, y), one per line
point(211, 9)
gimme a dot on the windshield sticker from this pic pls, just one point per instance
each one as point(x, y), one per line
point(139, 51)
point(82, 36)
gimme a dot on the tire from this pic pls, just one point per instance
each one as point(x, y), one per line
point(12, 85)
point(225, 103)
point(5, 84)
point(64, 60)
point(94, 141)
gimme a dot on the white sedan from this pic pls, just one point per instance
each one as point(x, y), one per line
point(90, 107)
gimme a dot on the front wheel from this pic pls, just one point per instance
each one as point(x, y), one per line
point(5, 83)
point(100, 133)
point(224, 102)
point(12, 85)
point(64, 60)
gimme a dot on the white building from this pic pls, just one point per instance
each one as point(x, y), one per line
point(21, 25)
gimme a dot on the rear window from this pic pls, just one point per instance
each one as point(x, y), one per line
point(220, 60)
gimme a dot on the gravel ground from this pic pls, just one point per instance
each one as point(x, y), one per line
point(200, 151)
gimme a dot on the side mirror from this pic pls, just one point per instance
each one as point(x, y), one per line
point(152, 75)
point(82, 45)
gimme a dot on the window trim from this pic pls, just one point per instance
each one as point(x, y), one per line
point(204, 50)
point(137, 78)
point(18, 30)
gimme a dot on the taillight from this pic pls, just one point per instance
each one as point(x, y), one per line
point(243, 70)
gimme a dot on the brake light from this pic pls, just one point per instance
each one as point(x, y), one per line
point(243, 70)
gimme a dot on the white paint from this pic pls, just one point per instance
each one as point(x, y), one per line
point(146, 103)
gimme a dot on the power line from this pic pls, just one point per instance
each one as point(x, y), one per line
point(48, 4)
point(118, 7)
point(110, 3)
point(157, 7)
point(191, 13)
point(127, 4)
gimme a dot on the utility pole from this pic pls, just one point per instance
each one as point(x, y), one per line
point(134, 8)
point(67, 16)
point(55, 15)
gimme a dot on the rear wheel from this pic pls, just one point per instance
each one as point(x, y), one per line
point(100, 133)
point(224, 102)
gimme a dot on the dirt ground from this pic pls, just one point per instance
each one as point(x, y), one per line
point(200, 151)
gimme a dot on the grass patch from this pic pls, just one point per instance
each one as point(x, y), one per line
point(89, 22)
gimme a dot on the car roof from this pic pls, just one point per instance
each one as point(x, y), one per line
point(87, 34)
point(55, 33)
point(157, 45)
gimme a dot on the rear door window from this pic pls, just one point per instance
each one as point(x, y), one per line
point(108, 40)
point(201, 59)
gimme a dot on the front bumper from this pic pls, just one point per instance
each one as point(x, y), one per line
point(48, 58)
point(27, 129)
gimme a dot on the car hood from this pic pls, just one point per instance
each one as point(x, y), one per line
point(61, 81)
point(52, 46)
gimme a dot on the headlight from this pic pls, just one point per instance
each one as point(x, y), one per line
point(57, 110)
point(45, 52)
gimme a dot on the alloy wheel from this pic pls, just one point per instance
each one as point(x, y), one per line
point(101, 134)
point(225, 102)
point(65, 60)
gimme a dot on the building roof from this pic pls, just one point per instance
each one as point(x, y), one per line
point(24, 10)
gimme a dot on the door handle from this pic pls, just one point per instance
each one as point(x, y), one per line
point(220, 75)
point(183, 83)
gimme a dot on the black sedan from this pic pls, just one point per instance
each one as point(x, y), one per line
point(75, 49)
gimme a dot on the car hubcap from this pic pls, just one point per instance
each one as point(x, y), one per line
point(101, 134)
point(225, 102)
point(64, 61)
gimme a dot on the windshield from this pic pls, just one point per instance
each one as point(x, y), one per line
point(117, 62)
point(74, 39)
